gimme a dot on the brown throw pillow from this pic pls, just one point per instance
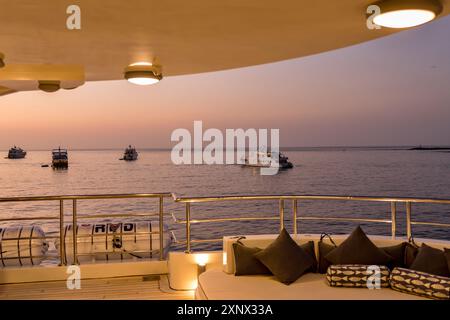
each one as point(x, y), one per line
point(285, 259)
point(309, 249)
point(410, 254)
point(447, 256)
point(358, 249)
point(397, 253)
point(246, 263)
point(431, 260)
point(324, 249)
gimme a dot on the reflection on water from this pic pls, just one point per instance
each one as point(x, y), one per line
point(351, 172)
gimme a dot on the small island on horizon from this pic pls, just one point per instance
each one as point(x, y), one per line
point(430, 148)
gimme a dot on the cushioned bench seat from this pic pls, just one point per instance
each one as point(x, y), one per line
point(215, 284)
point(218, 283)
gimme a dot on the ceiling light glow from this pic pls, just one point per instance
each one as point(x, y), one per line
point(142, 81)
point(406, 13)
point(143, 73)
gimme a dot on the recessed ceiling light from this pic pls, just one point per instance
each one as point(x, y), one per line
point(141, 63)
point(406, 13)
point(143, 73)
point(49, 85)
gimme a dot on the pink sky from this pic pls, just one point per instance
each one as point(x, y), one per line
point(392, 91)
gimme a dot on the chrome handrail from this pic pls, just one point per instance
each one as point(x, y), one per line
point(188, 201)
point(309, 197)
point(88, 196)
point(408, 201)
point(75, 217)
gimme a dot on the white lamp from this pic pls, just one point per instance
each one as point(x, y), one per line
point(201, 259)
point(406, 13)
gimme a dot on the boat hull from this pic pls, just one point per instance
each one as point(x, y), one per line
point(130, 157)
point(60, 164)
point(17, 156)
point(279, 166)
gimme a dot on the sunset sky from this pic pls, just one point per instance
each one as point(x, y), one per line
point(391, 91)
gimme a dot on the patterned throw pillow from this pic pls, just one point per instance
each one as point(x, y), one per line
point(420, 283)
point(357, 276)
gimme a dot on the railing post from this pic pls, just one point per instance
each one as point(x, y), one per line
point(188, 227)
point(294, 205)
point(281, 214)
point(62, 241)
point(161, 228)
point(408, 220)
point(74, 231)
point(393, 219)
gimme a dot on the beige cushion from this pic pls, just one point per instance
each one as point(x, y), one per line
point(215, 284)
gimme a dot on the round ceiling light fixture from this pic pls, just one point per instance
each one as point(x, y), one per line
point(49, 85)
point(143, 73)
point(406, 13)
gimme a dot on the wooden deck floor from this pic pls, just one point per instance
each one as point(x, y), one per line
point(151, 288)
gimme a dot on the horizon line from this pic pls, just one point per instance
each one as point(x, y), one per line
point(289, 148)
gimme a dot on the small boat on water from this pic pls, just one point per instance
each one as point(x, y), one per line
point(284, 162)
point(264, 160)
point(60, 158)
point(130, 154)
point(16, 153)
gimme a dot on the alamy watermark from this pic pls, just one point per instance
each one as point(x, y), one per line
point(73, 21)
point(372, 11)
point(236, 146)
point(374, 277)
point(74, 277)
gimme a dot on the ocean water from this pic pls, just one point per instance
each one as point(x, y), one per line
point(351, 171)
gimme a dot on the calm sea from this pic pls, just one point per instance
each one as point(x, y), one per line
point(318, 171)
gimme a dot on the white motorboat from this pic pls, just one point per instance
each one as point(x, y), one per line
point(266, 160)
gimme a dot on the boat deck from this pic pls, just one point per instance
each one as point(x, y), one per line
point(133, 288)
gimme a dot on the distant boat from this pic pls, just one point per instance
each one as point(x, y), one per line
point(16, 153)
point(130, 154)
point(60, 158)
point(264, 160)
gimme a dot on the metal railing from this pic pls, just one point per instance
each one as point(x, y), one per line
point(393, 201)
point(188, 201)
point(74, 219)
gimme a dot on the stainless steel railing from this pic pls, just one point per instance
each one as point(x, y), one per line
point(75, 216)
point(393, 201)
point(189, 201)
